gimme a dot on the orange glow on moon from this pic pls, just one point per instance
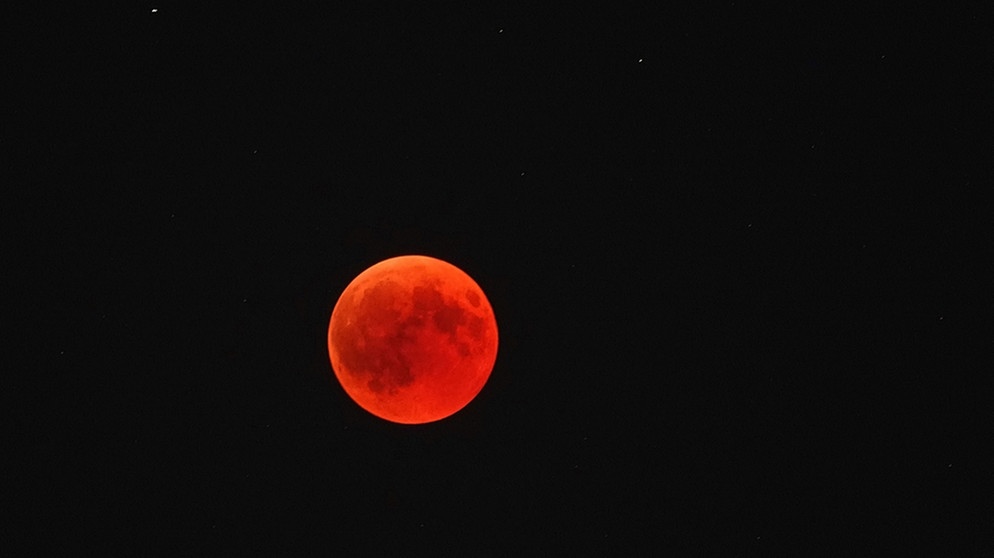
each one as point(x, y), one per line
point(412, 339)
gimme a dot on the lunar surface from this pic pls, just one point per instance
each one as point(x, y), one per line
point(412, 339)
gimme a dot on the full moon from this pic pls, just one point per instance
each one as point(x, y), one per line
point(412, 339)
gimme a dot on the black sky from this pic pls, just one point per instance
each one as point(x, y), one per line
point(724, 248)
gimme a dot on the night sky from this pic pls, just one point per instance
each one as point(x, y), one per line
point(725, 249)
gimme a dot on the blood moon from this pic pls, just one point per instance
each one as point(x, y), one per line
point(412, 339)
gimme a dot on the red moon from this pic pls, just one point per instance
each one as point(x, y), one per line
point(412, 339)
